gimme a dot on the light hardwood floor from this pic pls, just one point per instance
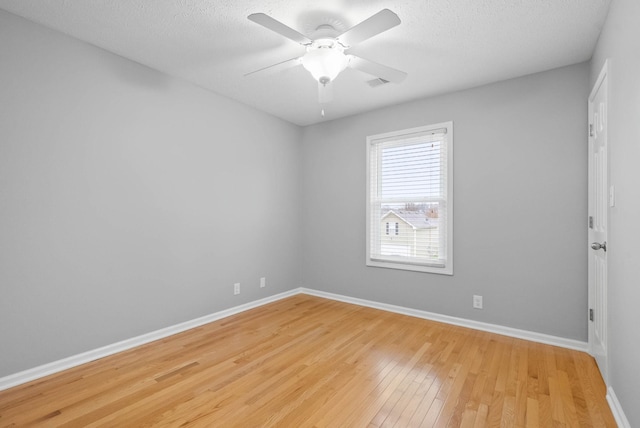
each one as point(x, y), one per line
point(306, 361)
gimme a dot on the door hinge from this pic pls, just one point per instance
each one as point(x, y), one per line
point(590, 222)
point(591, 130)
point(590, 314)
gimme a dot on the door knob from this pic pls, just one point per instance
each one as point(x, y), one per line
point(599, 246)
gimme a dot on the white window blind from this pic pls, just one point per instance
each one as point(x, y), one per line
point(409, 186)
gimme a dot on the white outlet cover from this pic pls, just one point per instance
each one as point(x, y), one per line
point(477, 302)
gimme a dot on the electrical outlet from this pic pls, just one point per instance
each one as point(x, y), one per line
point(263, 282)
point(477, 301)
point(236, 288)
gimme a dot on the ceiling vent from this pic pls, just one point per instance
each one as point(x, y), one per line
point(378, 81)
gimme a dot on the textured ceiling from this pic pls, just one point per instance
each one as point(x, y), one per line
point(443, 45)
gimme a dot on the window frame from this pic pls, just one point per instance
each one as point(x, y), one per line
point(447, 267)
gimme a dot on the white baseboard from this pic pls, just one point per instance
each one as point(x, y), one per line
point(85, 357)
point(616, 409)
point(476, 325)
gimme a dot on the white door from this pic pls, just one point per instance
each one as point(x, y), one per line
point(600, 199)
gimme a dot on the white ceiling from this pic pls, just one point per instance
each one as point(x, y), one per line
point(443, 45)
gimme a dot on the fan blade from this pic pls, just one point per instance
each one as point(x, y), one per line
point(281, 66)
point(377, 70)
point(376, 24)
point(277, 26)
point(325, 93)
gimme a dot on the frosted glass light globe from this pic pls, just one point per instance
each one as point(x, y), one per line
point(325, 62)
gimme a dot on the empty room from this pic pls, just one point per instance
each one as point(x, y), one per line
point(319, 214)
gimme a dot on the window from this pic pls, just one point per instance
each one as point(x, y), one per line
point(392, 229)
point(410, 183)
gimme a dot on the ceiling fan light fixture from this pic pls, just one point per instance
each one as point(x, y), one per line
point(325, 61)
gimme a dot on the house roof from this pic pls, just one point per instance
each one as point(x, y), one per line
point(416, 219)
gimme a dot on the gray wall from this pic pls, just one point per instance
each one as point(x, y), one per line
point(620, 42)
point(129, 201)
point(520, 186)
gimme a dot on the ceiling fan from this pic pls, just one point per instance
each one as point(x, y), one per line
point(327, 54)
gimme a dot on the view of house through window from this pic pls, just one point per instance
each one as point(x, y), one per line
point(409, 199)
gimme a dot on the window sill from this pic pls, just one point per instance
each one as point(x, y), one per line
point(444, 270)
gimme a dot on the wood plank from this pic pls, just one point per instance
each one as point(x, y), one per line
point(532, 413)
point(308, 361)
